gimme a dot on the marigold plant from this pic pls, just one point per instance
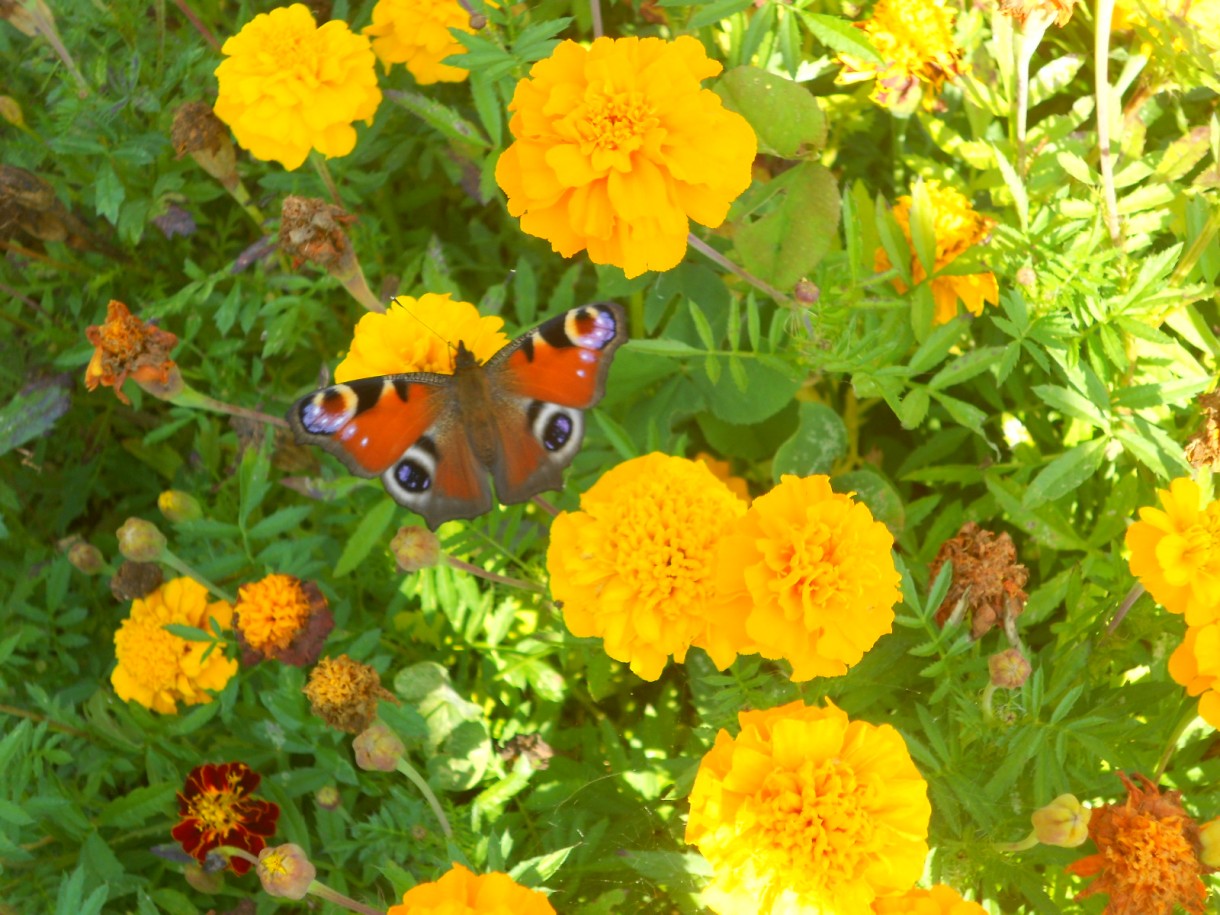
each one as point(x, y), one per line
point(807, 811)
point(462, 892)
point(159, 669)
point(958, 227)
point(634, 566)
point(419, 335)
point(416, 33)
point(618, 148)
point(805, 575)
point(288, 86)
point(217, 807)
point(1175, 552)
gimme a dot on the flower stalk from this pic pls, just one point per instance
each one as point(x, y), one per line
point(316, 888)
point(1101, 56)
point(429, 795)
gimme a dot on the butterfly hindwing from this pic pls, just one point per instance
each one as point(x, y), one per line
point(439, 477)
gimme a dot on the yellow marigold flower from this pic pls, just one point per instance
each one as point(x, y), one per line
point(158, 669)
point(939, 900)
point(915, 41)
point(344, 693)
point(416, 33)
point(288, 86)
point(1147, 858)
point(419, 335)
point(958, 227)
point(1175, 552)
point(723, 472)
point(806, 575)
point(634, 565)
point(1196, 665)
point(807, 811)
point(1209, 839)
point(461, 892)
point(618, 147)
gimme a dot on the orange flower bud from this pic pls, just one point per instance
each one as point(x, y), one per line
point(377, 748)
point(140, 541)
point(1063, 822)
point(285, 871)
point(415, 548)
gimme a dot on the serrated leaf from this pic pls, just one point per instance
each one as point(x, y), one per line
point(819, 442)
point(443, 119)
point(840, 35)
point(368, 533)
point(1066, 473)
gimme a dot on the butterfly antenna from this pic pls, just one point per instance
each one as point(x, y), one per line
point(432, 330)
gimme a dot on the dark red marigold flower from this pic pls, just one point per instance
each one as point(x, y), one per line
point(217, 809)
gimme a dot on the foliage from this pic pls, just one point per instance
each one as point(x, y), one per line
point(775, 344)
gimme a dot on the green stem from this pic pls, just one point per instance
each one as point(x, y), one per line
point(492, 576)
point(410, 772)
point(169, 559)
point(189, 397)
point(319, 163)
point(713, 255)
point(1171, 745)
point(1101, 55)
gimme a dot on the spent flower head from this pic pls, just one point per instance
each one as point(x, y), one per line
point(126, 347)
point(987, 579)
point(618, 147)
point(344, 693)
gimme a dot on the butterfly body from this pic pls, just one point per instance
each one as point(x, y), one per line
point(434, 439)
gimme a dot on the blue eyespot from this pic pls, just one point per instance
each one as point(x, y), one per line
point(413, 476)
point(558, 431)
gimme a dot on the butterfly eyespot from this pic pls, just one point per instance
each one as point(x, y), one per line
point(558, 431)
point(413, 476)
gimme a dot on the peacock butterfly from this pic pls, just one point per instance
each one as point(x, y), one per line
point(433, 439)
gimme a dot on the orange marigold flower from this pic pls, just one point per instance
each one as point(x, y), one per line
point(284, 618)
point(618, 148)
point(634, 566)
point(217, 808)
point(1196, 665)
point(419, 335)
point(958, 227)
point(807, 811)
point(986, 576)
point(288, 86)
point(915, 41)
point(416, 33)
point(1147, 858)
point(939, 900)
point(806, 575)
point(461, 892)
point(127, 347)
point(344, 693)
point(159, 669)
point(723, 472)
point(1175, 552)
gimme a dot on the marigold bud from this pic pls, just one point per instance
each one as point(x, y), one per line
point(1026, 276)
point(10, 110)
point(378, 748)
point(415, 548)
point(1063, 822)
point(86, 557)
point(419, 832)
point(1209, 836)
point(198, 132)
point(201, 880)
point(328, 797)
point(140, 541)
point(286, 871)
point(1009, 669)
point(179, 506)
point(167, 387)
point(806, 293)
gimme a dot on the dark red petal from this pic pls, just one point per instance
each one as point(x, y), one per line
point(248, 780)
point(260, 817)
point(239, 838)
point(189, 835)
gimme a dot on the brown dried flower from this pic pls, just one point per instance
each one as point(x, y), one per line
point(313, 230)
point(134, 580)
point(531, 746)
point(987, 579)
point(197, 132)
point(126, 347)
point(1147, 858)
point(344, 693)
point(1203, 449)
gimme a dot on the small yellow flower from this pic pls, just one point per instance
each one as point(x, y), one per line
point(915, 41)
point(419, 335)
point(806, 575)
point(634, 566)
point(344, 693)
point(461, 892)
point(288, 86)
point(958, 227)
point(158, 669)
point(807, 811)
point(1057, 11)
point(618, 147)
point(1063, 822)
point(1175, 552)
point(1196, 665)
point(939, 900)
point(416, 33)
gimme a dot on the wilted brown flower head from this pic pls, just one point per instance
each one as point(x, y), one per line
point(1147, 858)
point(986, 575)
point(197, 132)
point(126, 346)
point(134, 580)
point(531, 746)
point(344, 693)
point(312, 230)
point(1203, 449)
point(28, 205)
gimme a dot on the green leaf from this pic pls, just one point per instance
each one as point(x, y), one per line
point(1016, 187)
point(785, 115)
point(966, 366)
point(840, 35)
point(1066, 473)
point(714, 12)
point(446, 120)
point(368, 533)
point(878, 493)
point(923, 227)
point(1072, 403)
point(674, 349)
point(785, 244)
point(819, 441)
point(31, 414)
point(766, 392)
point(109, 193)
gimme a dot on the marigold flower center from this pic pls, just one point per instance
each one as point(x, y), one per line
point(657, 562)
point(271, 612)
point(616, 122)
point(217, 812)
point(150, 653)
point(1202, 540)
